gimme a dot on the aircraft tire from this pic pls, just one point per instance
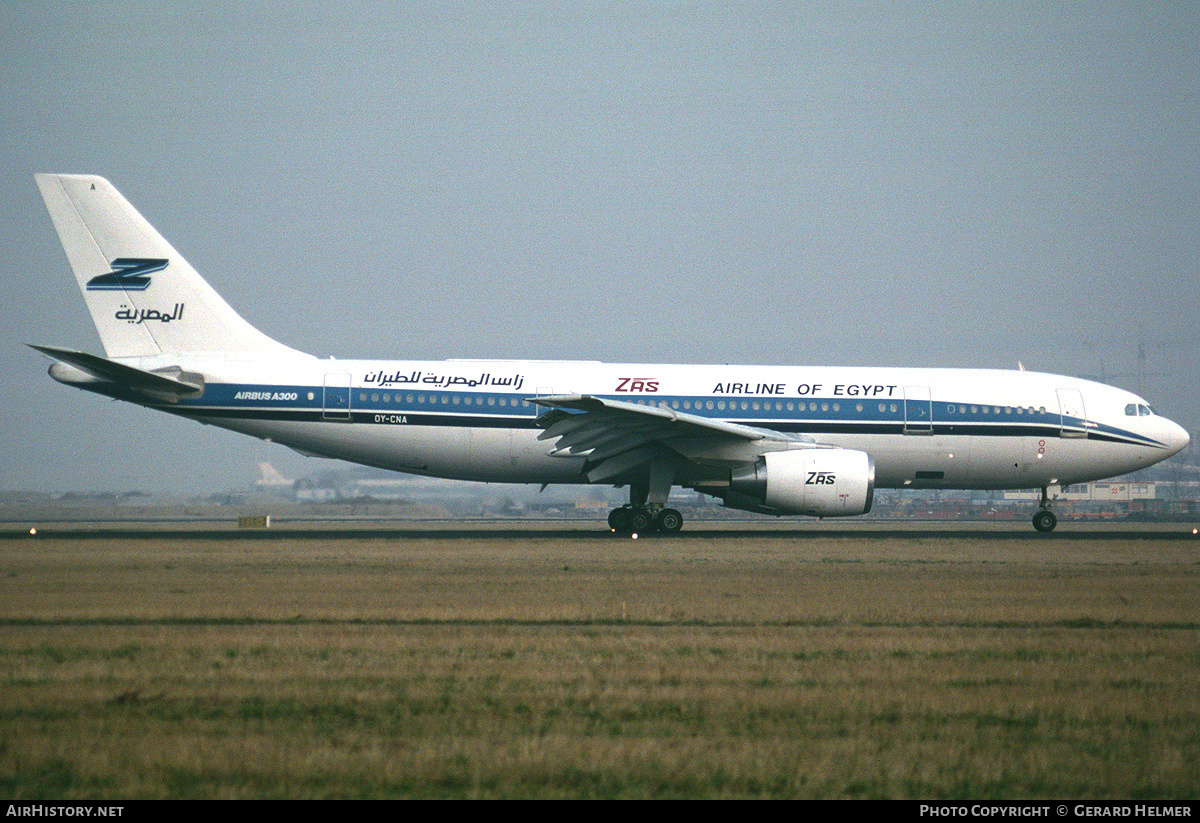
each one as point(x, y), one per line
point(620, 520)
point(669, 520)
point(1045, 521)
point(641, 521)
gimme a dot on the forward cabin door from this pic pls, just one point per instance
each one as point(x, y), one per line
point(1070, 404)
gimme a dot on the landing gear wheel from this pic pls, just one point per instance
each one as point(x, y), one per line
point(1045, 521)
point(619, 520)
point(640, 521)
point(669, 520)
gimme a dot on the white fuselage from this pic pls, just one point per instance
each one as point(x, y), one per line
point(474, 420)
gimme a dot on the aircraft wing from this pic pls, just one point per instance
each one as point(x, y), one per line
point(616, 436)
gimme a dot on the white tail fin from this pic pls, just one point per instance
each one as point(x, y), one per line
point(145, 299)
point(271, 476)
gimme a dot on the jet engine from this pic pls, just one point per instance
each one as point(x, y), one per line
point(816, 482)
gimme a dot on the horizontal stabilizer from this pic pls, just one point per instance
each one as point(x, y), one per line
point(159, 385)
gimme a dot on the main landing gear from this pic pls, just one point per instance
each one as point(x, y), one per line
point(1044, 520)
point(632, 519)
point(647, 509)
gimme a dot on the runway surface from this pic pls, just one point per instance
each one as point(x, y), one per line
point(228, 529)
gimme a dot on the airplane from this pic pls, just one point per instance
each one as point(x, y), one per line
point(271, 478)
point(779, 440)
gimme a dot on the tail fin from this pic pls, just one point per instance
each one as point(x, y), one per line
point(271, 476)
point(145, 299)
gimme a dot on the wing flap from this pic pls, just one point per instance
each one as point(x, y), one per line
point(618, 437)
point(688, 424)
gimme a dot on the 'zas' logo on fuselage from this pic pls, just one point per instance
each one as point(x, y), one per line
point(821, 479)
point(128, 274)
point(632, 384)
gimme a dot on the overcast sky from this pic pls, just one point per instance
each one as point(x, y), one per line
point(966, 184)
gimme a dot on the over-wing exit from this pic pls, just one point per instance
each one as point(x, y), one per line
point(781, 440)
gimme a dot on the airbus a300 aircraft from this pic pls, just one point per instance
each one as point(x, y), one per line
point(783, 440)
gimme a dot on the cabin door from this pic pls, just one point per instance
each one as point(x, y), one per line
point(918, 410)
point(336, 404)
point(1070, 404)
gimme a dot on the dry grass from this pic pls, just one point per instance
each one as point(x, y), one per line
point(531, 665)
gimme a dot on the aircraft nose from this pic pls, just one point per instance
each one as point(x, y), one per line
point(1177, 438)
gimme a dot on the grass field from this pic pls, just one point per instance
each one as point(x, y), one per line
point(757, 663)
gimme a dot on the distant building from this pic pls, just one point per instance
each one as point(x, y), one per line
point(1106, 491)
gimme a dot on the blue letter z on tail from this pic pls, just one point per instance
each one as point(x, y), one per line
point(128, 274)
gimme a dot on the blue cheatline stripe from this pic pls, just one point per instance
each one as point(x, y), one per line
point(476, 409)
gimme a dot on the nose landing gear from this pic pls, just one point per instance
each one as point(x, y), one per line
point(1044, 520)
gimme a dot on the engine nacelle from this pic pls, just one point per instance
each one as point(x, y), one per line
point(816, 482)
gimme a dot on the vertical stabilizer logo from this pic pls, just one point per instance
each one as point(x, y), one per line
point(128, 274)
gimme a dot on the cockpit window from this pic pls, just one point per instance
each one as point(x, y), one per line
point(1145, 411)
point(1131, 410)
point(1138, 410)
